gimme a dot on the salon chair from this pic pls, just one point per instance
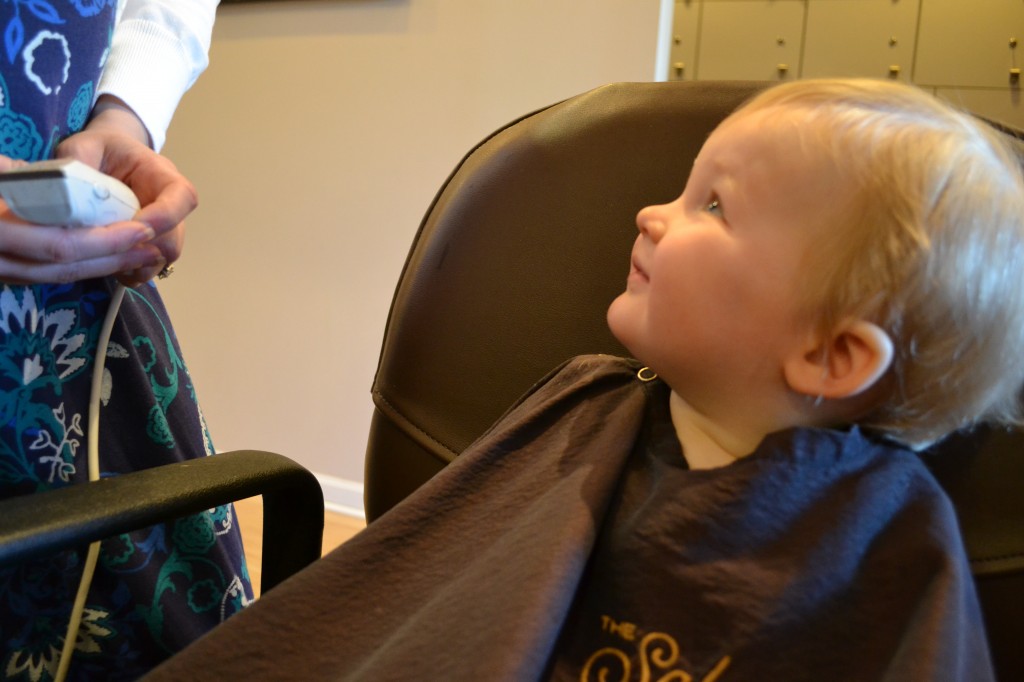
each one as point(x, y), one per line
point(38, 525)
point(511, 273)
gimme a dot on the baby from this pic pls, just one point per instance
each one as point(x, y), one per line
point(843, 252)
point(840, 283)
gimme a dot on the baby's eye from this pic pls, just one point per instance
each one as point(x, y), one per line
point(713, 207)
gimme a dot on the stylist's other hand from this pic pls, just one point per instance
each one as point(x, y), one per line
point(116, 142)
point(34, 254)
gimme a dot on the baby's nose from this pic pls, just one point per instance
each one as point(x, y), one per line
point(651, 223)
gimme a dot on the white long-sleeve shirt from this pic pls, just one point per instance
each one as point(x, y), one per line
point(158, 51)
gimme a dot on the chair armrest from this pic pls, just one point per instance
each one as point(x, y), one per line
point(38, 525)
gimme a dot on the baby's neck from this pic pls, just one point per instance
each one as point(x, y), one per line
point(707, 443)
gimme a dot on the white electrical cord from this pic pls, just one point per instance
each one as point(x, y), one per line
point(93, 439)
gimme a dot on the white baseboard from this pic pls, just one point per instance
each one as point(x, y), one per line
point(342, 496)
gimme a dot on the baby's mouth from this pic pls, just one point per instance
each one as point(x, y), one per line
point(636, 270)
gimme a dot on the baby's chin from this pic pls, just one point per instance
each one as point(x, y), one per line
point(617, 319)
point(611, 318)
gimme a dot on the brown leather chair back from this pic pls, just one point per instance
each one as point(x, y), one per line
point(512, 271)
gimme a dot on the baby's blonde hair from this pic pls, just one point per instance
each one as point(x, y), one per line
point(930, 248)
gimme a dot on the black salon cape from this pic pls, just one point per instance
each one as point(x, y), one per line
point(571, 543)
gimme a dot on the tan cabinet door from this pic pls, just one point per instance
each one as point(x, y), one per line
point(873, 38)
point(750, 39)
point(682, 64)
point(970, 44)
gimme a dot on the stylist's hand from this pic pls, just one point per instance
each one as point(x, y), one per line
point(31, 254)
point(116, 142)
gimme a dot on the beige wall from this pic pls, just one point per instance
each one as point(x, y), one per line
point(317, 139)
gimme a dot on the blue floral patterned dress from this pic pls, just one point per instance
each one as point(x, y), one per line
point(154, 590)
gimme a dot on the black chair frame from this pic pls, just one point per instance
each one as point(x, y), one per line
point(38, 525)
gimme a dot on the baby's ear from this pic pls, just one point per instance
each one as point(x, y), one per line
point(846, 363)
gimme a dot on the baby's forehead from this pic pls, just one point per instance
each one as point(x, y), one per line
point(783, 121)
point(766, 160)
point(776, 136)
